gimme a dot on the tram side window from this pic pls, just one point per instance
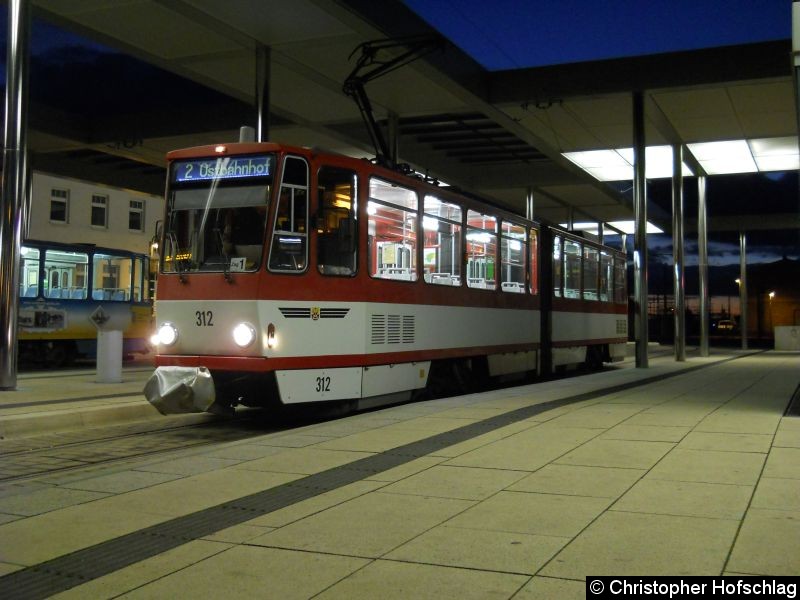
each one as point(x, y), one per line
point(337, 239)
point(392, 211)
point(441, 226)
point(572, 269)
point(481, 251)
point(606, 277)
point(590, 256)
point(111, 277)
point(533, 244)
point(66, 275)
point(290, 237)
point(513, 258)
point(620, 291)
point(29, 273)
point(557, 267)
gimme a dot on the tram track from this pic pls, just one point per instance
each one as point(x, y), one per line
point(36, 456)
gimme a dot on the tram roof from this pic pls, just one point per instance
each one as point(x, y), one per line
point(497, 133)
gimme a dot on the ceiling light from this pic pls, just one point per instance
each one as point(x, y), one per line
point(718, 158)
point(617, 165)
point(626, 227)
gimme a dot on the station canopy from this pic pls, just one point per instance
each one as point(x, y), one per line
point(561, 131)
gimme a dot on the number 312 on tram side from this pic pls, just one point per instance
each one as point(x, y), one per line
point(293, 275)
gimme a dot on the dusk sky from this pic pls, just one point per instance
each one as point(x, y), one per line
point(509, 34)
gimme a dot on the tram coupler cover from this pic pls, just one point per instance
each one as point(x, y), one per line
point(180, 390)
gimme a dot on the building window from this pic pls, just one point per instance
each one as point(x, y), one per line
point(59, 206)
point(99, 211)
point(136, 215)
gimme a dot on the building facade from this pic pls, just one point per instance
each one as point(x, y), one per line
point(74, 211)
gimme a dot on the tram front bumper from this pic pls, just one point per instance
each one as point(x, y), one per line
point(180, 390)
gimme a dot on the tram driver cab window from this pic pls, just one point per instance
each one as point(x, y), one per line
point(336, 221)
point(289, 251)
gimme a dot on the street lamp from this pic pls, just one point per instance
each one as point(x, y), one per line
point(771, 295)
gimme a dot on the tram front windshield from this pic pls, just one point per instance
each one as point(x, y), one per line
point(216, 214)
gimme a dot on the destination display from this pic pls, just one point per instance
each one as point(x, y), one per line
point(222, 168)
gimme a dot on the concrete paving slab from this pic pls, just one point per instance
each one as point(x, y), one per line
point(478, 549)
point(484, 439)
point(304, 461)
point(374, 440)
point(788, 435)
point(238, 534)
point(646, 433)
point(432, 424)
point(245, 451)
point(120, 482)
point(391, 580)
point(709, 466)
point(548, 588)
point(532, 513)
point(46, 500)
point(570, 480)
point(144, 572)
point(367, 526)
point(253, 572)
point(768, 543)
point(190, 465)
point(734, 442)
point(784, 463)
point(691, 499)
point(676, 414)
point(406, 470)
point(777, 494)
point(528, 450)
point(292, 440)
point(620, 543)
point(598, 416)
point(464, 483)
point(740, 421)
point(192, 494)
point(624, 454)
point(317, 504)
point(42, 537)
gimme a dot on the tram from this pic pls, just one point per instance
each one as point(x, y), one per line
point(294, 275)
point(67, 290)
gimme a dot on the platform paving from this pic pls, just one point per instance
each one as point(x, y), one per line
point(693, 474)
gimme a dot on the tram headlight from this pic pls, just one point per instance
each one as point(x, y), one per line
point(244, 334)
point(167, 334)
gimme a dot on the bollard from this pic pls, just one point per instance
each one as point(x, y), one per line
point(109, 356)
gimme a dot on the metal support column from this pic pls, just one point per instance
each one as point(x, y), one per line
point(677, 253)
point(393, 137)
point(529, 204)
point(640, 232)
point(14, 184)
point(702, 252)
point(600, 232)
point(743, 287)
point(263, 75)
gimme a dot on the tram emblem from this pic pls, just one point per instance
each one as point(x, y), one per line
point(315, 311)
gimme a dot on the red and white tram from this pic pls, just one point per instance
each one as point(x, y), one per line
point(295, 275)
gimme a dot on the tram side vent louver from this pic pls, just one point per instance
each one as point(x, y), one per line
point(408, 329)
point(378, 329)
point(393, 329)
